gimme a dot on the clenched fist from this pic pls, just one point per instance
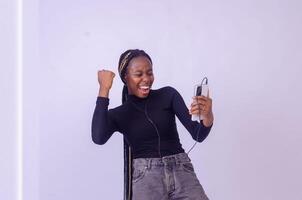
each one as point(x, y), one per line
point(105, 78)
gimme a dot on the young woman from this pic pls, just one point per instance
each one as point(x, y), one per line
point(158, 168)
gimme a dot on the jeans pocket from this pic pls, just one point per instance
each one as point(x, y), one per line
point(188, 167)
point(138, 173)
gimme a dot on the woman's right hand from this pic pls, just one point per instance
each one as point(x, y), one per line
point(105, 78)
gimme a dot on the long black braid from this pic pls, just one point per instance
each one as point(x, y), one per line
point(124, 60)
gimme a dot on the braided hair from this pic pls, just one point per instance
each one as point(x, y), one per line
point(123, 63)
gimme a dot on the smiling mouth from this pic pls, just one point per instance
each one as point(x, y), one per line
point(144, 89)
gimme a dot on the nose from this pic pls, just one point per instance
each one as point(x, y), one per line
point(146, 77)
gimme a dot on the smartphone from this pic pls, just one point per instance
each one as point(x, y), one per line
point(201, 89)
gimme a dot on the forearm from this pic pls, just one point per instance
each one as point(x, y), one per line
point(206, 125)
point(208, 120)
point(202, 133)
point(101, 128)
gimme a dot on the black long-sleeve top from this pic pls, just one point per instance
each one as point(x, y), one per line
point(148, 124)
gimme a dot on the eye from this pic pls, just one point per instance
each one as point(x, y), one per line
point(140, 74)
point(150, 73)
point(137, 74)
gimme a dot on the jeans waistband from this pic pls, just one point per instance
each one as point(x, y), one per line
point(176, 158)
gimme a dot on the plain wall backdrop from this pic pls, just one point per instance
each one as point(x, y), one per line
point(250, 50)
point(8, 110)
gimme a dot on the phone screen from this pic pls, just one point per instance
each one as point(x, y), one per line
point(198, 91)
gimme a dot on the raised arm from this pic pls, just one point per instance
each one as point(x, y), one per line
point(103, 125)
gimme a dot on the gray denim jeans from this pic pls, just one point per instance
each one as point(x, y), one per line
point(167, 178)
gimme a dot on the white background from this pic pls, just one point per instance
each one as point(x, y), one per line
point(250, 50)
point(8, 145)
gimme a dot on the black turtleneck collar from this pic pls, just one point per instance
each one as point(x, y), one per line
point(139, 99)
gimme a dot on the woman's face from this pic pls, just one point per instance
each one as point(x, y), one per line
point(139, 76)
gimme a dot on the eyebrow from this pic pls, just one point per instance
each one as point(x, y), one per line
point(139, 70)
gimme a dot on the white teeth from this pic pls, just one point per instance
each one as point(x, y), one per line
point(144, 87)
